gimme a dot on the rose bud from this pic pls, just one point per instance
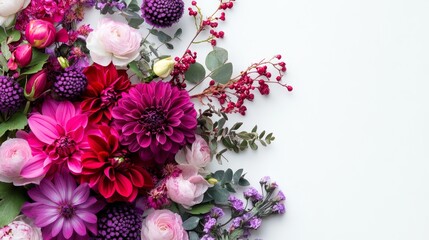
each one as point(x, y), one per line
point(21, 57)
point(40, 33)
point(163, 67)
point(36, 85)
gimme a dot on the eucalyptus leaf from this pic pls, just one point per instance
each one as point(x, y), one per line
point(216, 58)
point(191, 223)
point(243, 182)
point(195, 73)
point(219, 194)
point(135, 22)
point(163, 37)
point(133, 6)
point(135, 69)
point(222, 74)
point(227, 177)
point(237, 176)
point(178, 33)
point(11, 201)
point(16, 122)
point(169, 46)
point(193, 236)
point(201, 208)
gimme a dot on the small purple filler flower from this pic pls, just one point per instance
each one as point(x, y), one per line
point(155, 119)
point(61, 209)
point(253, 194)
point(236, 203)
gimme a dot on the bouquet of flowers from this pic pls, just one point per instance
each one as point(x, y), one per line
point(104, 137)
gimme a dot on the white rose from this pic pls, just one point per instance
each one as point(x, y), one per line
point(113, 42)
point(8, 9)
point(163, 67)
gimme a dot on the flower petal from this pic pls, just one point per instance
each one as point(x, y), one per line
point(44, 128)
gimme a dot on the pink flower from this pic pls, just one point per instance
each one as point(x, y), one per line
point(37, 85)
point(40, 33)
point(21, 57)
point(57, 139)
point(14, 153)
point(188, 188)
point(198, 155)
point(113, 42)
point(22, 228)
point(163, 225)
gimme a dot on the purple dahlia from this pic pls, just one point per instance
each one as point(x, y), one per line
point(162, 13)
point(11, 95)
point(155, 119)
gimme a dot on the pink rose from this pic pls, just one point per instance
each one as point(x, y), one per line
point(14, 153)
point(22, 228)
point(198, 155)
point(188, 188)
point(163, 225)
point(113, 42)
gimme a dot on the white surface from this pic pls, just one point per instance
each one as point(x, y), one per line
point(351, 151)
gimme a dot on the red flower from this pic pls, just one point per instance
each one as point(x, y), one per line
point(105, 85)
point(108, 168)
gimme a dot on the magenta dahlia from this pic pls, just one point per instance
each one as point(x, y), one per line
point(155, 119)
point(62, 209)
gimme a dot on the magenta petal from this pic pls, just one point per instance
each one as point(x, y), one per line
point(57, 227)
point(86, 216)
point(144, 140)
point(78, 121)
point(33, 168)
point(44, 128)
point(74, 165)
point(49, 108)
point(65, 111)
point(67, 229)
point(78, 226)
point(46, 217)
point(80, 194)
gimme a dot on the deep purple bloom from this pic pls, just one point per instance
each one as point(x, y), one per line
point(253, 194)
point(11, 95)
point(162, 13)
point(236, 203)
point(70, 84)
point(279, 208)
point(119, 221)
point(61, 209)
point(209, 225)
point(155, 119)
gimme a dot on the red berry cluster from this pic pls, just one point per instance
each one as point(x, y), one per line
point(181, 66)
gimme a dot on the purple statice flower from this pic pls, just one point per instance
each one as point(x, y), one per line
point(216, 212)
point(279, 208)
point(264, 180)
point(280, 197)
point(162, 13)
point(62, 209)
point(253, 194)
point(236, 203)
point(254, 223)
point(207, 237)
point(155, 120)
point(210, 223)
point(236, 223)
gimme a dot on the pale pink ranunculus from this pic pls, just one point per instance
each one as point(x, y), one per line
point(113, 42)
point(198, 155)
point(8, 9)
point(163, 225)
point(22, 228)
point(188, 188)
point(14, 153)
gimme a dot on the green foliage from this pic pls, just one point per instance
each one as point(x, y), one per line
point(216, 58)
point(38, 59)
point(191, 223)
point(16, 122)
point(223, 73)
point(195, 73)
point(11, 200)
point(201, 208)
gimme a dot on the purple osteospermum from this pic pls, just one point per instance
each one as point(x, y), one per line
point(61, 209)
point(11, 95)
point(162, 13)
point(119, 221)
point(155, 119)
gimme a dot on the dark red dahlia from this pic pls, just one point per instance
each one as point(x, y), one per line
point(105, 85)
point(155, 119)
point(109, 169)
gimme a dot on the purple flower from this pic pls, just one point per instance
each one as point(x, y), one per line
point(61, 209)
point(216, 212)
point(253, 194)
point(155, 119)
point(264, 180)
point(236, 222)
point(280, 197)
point(279, 208)
point(236, 203)
point(209, 225)
point(162, 13)
point(254, 223)
point(207, 237)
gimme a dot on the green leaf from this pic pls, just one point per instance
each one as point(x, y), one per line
point(193, 236)
point(237, 126)
point(230, 188)
point(5, 50)
point(169, 46)
point(201, 208)
point(227, 177)
point(195, 73)
point(3, 63)
point(17, 121)
point(216, 58)
point(236, 234)
point(191, 223)
point(220, 195)
point(133, 6)
point(178, 33)
point(163, 37)
point(14, 36)
point(153, 50)
point(243, 182)
point(38, 57)
point(219, 174)
point(10, 203)
point(135, 22)
point(237, 176)
point(222, 74)
point(3, 34)
point(135, 69)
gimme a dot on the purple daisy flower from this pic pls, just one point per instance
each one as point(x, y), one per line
point(62, 210)
point(155, 119)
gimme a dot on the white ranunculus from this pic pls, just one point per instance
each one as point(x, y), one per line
point(113, 42)
point(8, 9)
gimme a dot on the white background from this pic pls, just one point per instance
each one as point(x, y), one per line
point(351, 152)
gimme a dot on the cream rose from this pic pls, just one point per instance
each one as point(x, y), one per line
point(8, 9)
point(113, 42)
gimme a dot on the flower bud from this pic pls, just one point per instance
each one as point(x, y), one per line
point(36, 85)
point(21, 57)
point(212, 181)
point(40, 33)
point(63, 62)
point(163, 67)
